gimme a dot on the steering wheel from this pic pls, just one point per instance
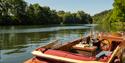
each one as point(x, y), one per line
point(105, 44)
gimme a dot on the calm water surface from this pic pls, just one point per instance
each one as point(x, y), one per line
point(17, 42)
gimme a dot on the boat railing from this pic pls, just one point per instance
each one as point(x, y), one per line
point(57, 44)
point(51, 44)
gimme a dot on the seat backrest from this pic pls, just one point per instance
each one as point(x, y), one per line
point(88, 39)
point(114, 44)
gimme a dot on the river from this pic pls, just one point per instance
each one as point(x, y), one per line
point(17, 42)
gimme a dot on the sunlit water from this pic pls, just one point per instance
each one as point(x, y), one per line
point(17, 42)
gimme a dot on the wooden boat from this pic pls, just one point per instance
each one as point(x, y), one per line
point(70, 52)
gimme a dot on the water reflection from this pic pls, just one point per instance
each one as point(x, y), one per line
point(42, 29)
point(110, 28)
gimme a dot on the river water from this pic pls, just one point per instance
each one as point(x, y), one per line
point(17, 42)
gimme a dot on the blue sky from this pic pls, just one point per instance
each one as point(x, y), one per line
point(89, 6)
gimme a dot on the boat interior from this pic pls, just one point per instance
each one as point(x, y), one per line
point(83, 49)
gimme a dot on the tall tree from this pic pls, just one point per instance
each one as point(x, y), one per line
point(82, 17)
point(99, 17)
point(118, 14)
point(61, 16)
point(14, 9)
point(18, 12)
point(34, 13)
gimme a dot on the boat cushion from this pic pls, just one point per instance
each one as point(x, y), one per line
point(71, 55)
point(68, 55)
point(105, 58)
point(80, 57)
point(56, 53)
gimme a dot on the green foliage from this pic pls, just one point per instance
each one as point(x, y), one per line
point(74, 18)
point(101, 17)
point(112, 20)
point(118, 14)
point(14, 12)
point(114, 17)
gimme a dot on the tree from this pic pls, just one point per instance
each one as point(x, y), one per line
point(101, 17)
point(12, 10)
point(53, 16)
point(34, 13)
point(61, 16)
point(113, 19)
point(118, 14)
point(83, 18)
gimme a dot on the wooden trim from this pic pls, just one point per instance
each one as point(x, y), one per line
point(50, 45)
point(113, 55)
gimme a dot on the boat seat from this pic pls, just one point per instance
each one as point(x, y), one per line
point(114, 44)
point(66, 54)
point(105, 58)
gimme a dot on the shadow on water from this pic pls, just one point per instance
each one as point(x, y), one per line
point(15, 51)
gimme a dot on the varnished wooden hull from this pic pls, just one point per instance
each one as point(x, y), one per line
point(67, 46)
point(63, 47)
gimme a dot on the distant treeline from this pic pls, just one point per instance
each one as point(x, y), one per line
point(18, 12)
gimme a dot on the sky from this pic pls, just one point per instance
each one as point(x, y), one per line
point(89, 6)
